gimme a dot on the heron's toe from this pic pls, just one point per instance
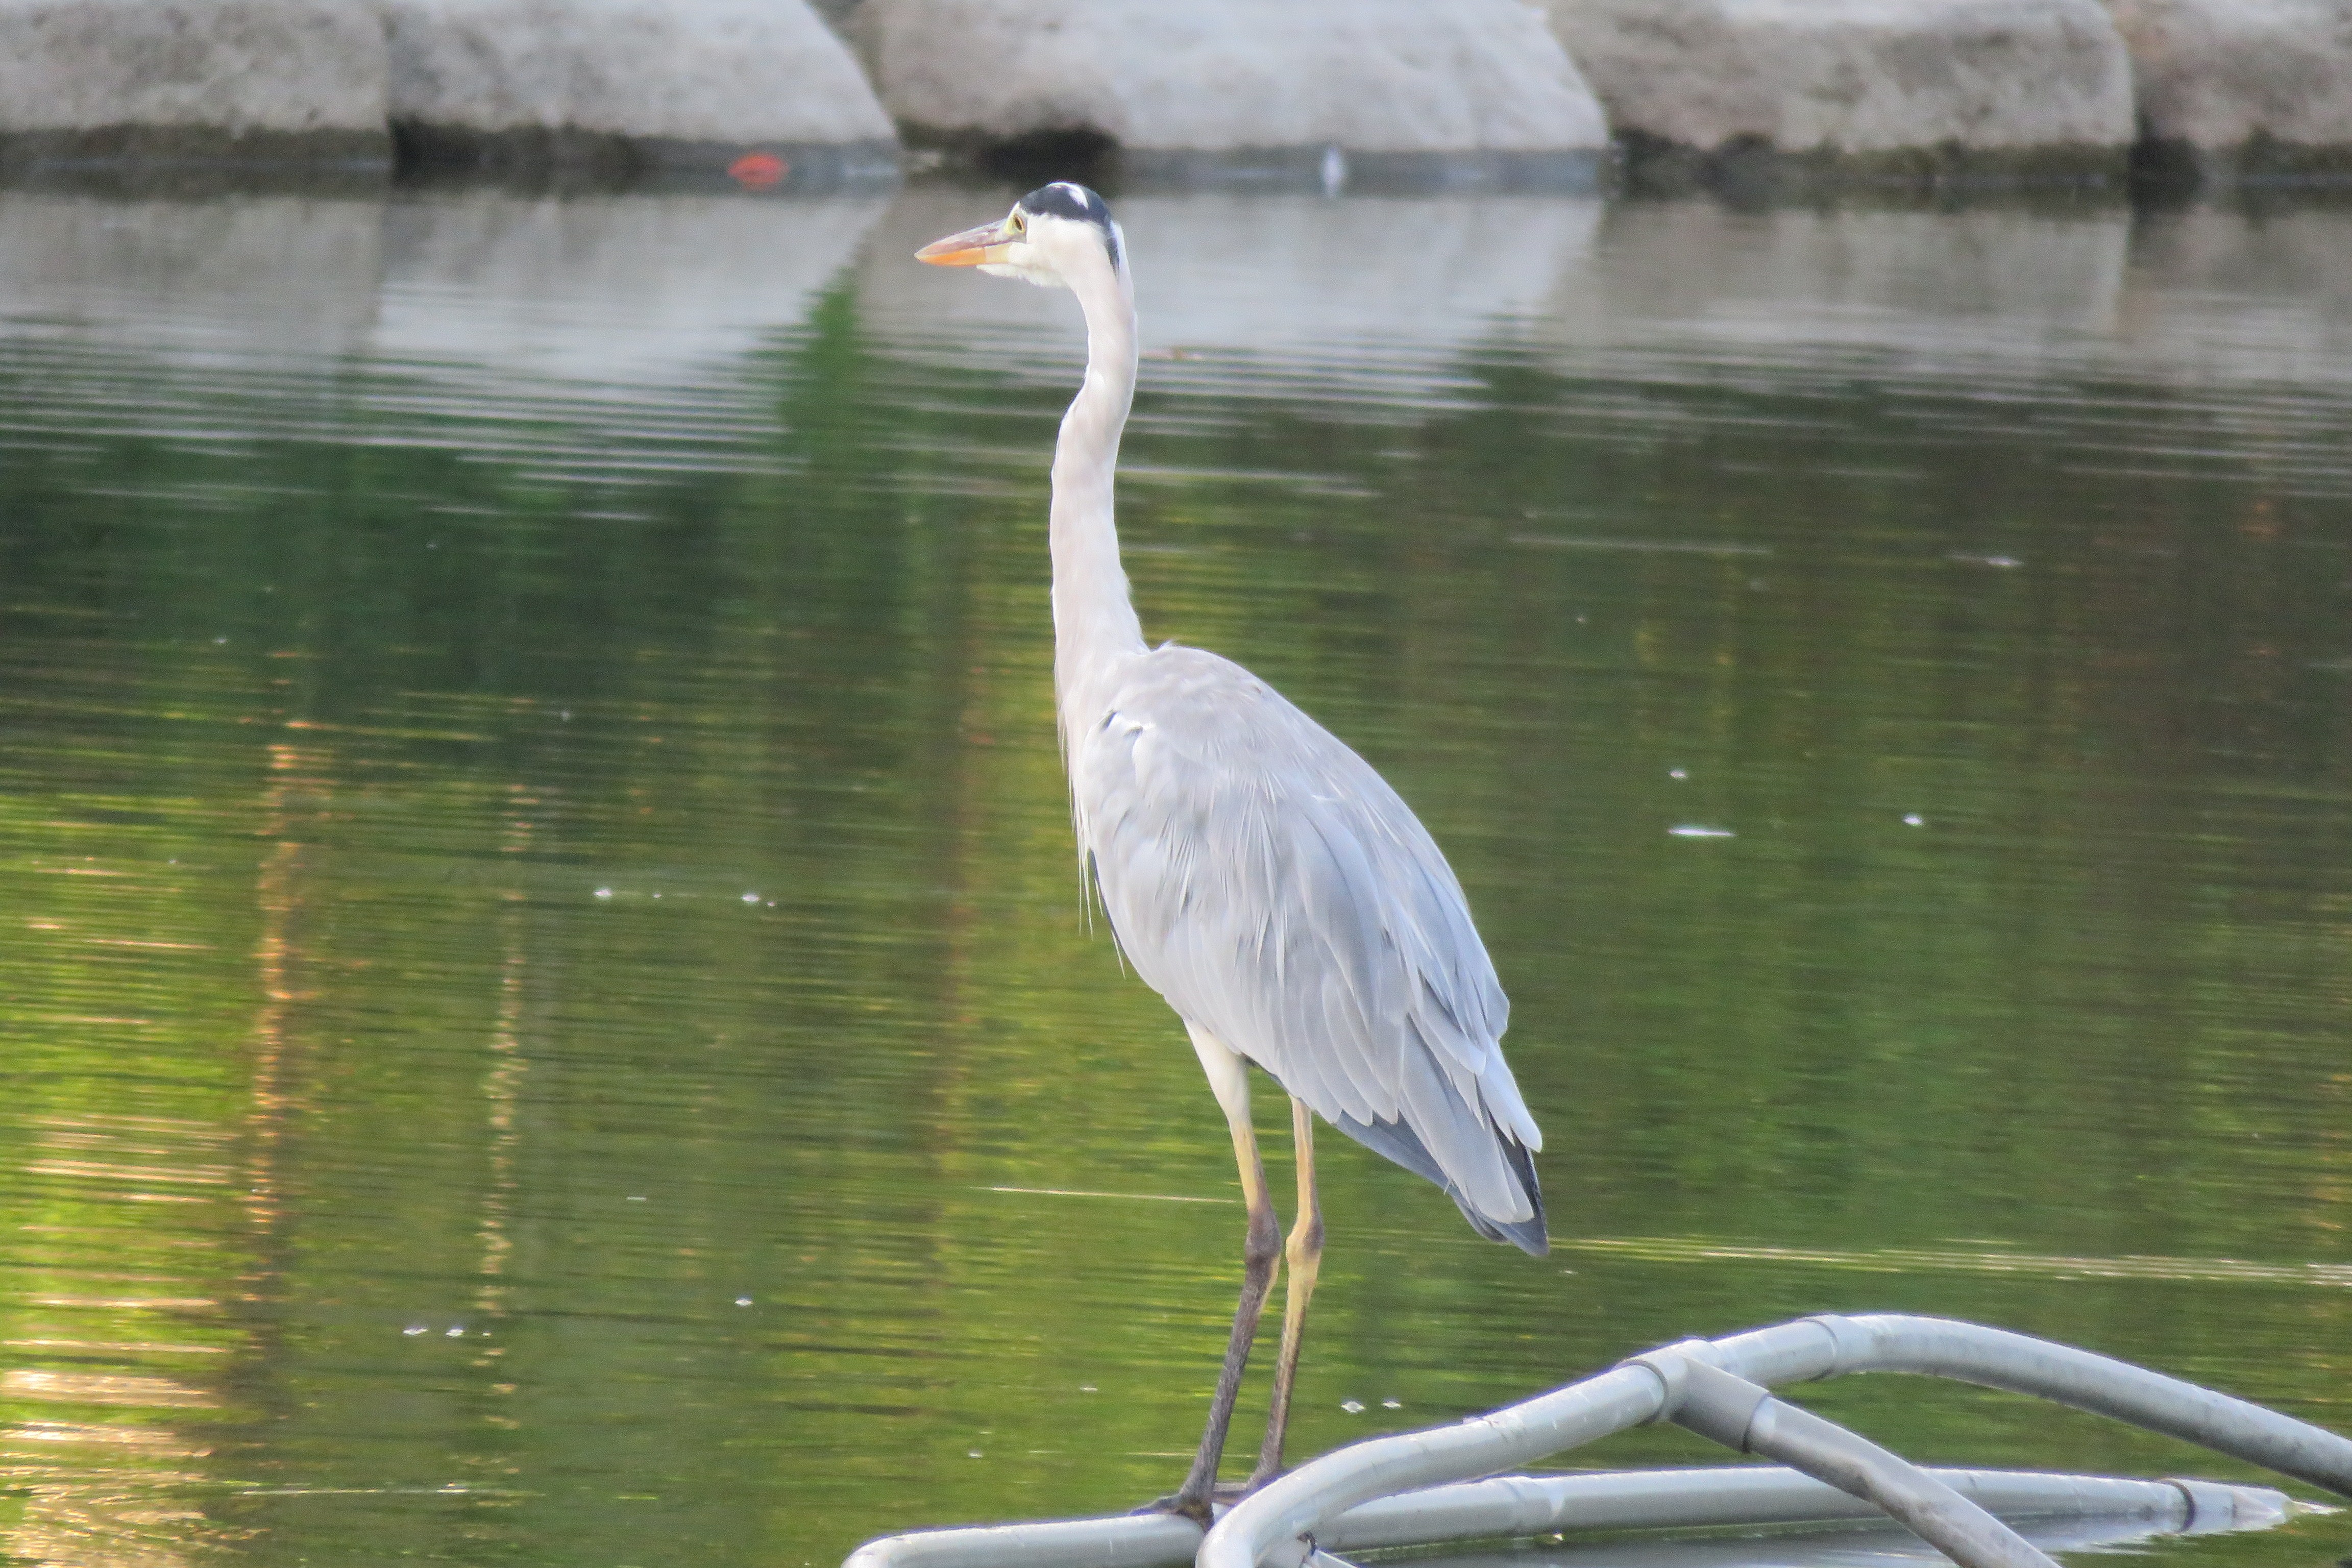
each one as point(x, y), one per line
point(1200, 1511)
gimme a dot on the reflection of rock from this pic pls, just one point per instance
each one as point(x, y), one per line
point(266, 80)
point(1395, 76)
point(606, 298)
point(1988, 79)
point(621, 83)
point(582, 333)
point(2214, 298)
point(1670, 288)
point(266, 278)
point(1980, 298)
point(1384, 289)
point(2246, 87)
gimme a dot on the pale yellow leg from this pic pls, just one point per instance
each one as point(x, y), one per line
point(1305, 1255)
point(1261, 1252)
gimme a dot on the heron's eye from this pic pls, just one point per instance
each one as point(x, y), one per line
point(1020, 223)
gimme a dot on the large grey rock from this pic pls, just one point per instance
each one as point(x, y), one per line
point(1375, 77)
point(2249, 85)
point(2020, 82)
point(625, 81)
point(182, 80)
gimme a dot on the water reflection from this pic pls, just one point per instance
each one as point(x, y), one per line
point(384, 581)
point(1954, 293)
point(212, 283)
point(620, 299)
point(1263, 296)
point(553, 328)
point(2205, 303)
point(2216, 297)
point(119, 1324)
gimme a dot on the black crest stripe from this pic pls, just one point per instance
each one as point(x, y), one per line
point(1063, 199)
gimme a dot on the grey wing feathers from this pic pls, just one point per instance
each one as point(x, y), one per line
point(1271, 887)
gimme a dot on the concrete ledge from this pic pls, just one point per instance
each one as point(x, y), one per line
point(2258, 162)
point(1329, 170)
point(573, 157)
point(105, 155)
point(1751, 169)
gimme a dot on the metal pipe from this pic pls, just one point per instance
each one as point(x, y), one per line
point(1300, 1504)
point(1995, 1358)
point(1122, 1540)
point(1506, 1506)
point(1744, 1416)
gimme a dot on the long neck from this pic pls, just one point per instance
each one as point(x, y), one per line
point(1094, 622)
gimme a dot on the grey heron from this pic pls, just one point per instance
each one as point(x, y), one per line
point(1256, 873)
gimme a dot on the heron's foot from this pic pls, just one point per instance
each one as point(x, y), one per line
point(1200, 1511)
point(1258, 1479)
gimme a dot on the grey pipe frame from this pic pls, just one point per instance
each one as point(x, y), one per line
point(1744, 1416)
point(1508, 1506)
point(1282, 1521)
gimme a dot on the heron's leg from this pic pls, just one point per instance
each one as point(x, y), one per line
point(1229, 1077)
point(1305, 1253)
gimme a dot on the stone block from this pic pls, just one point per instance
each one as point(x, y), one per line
point(116, 81)
point(1372, 78)
point(617, 85)
point(1902, 86)
point(2244, 87)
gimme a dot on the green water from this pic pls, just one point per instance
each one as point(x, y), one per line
point(548, 1016)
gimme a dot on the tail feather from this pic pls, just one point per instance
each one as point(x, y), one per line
point(1396, 1141)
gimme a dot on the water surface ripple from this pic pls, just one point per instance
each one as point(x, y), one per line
point(545, 1008)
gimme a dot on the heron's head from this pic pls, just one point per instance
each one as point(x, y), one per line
point(1053, 237)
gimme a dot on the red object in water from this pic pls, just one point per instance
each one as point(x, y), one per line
point(758, 171)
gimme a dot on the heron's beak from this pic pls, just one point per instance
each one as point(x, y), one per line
point(973, 248)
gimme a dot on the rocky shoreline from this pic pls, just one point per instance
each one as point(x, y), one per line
point(1364, 94)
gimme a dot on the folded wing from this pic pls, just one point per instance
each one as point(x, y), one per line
point(1277, 892)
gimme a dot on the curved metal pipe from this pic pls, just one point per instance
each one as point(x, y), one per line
point(1300, 1503)
point(1996, 1358)
point(1744, 1416)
